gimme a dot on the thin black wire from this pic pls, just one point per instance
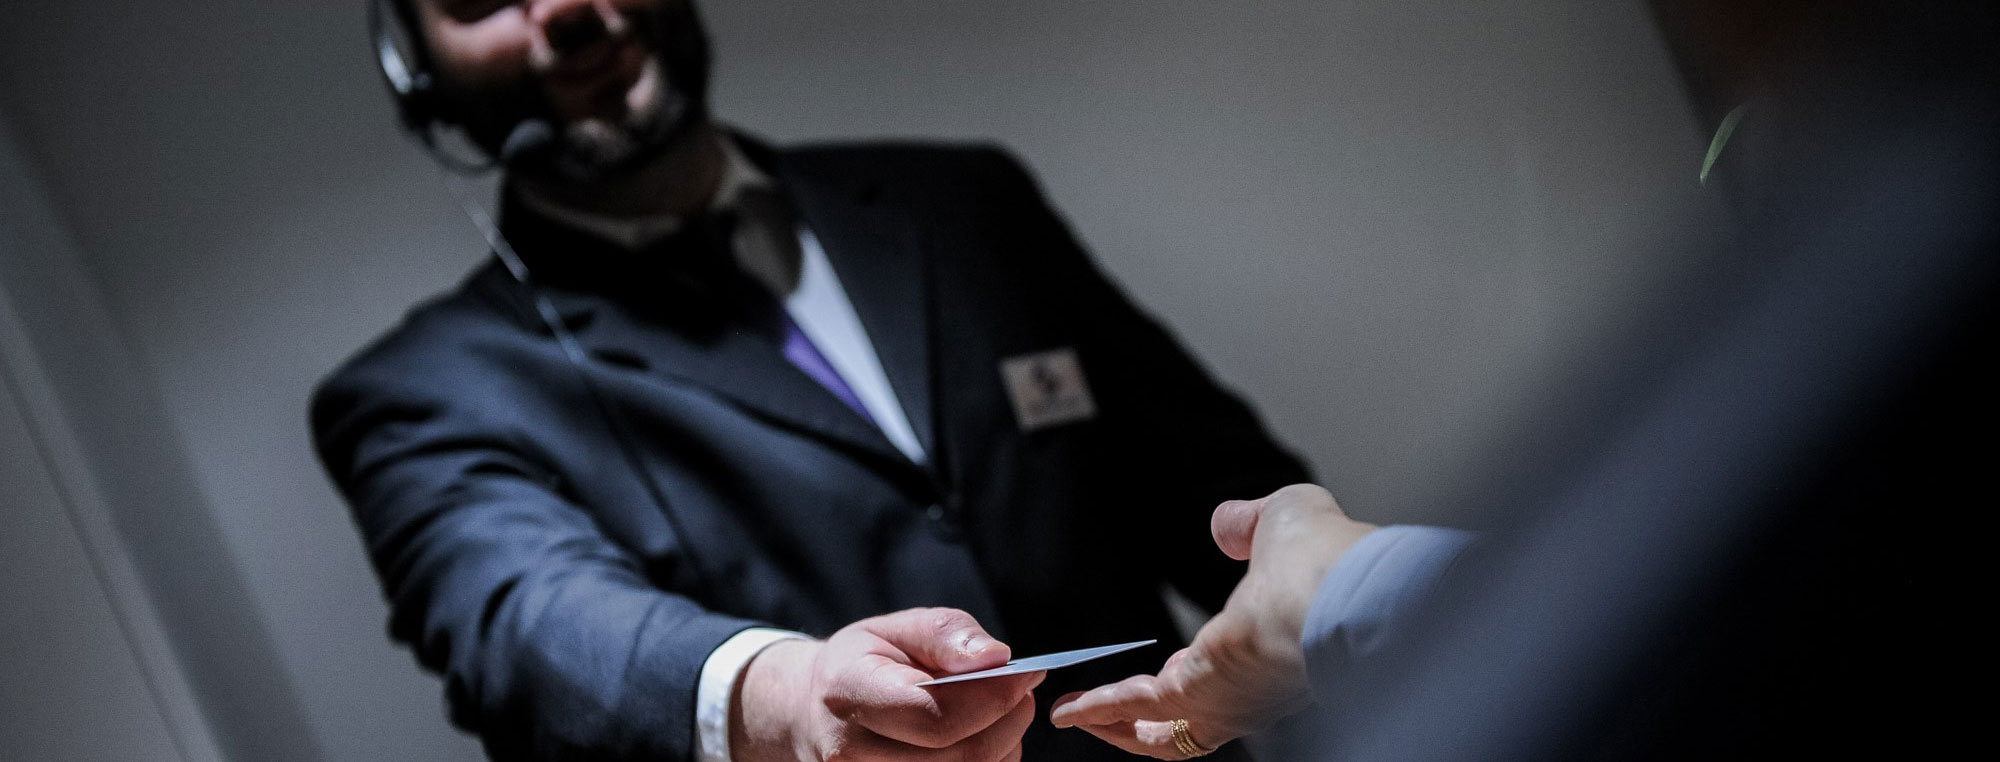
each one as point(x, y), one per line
point(573, 352)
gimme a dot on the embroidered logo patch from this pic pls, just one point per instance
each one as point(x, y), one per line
point(1047, 389)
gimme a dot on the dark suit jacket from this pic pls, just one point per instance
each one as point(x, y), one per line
point(570, 603)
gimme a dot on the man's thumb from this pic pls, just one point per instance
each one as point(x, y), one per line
point(945, 641)
point(1234, 525)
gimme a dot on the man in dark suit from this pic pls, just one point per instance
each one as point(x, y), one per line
point(737, 399)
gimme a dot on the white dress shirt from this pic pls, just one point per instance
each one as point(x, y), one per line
point(777, 250)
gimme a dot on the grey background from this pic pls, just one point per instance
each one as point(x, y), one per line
point(1385, 222)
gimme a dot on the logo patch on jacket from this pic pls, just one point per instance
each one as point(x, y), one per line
point(1047, 389)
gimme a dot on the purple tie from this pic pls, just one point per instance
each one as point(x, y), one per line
point(800, 350)
point(703, 247)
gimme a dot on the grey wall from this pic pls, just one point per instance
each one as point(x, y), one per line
point(1383, 221)
point(92, 461)
point(73, 688)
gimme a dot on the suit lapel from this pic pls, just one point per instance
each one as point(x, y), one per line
point(741, 365)
point(878, 254)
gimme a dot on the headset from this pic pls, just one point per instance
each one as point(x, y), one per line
point(418, 110)
point(393, 27)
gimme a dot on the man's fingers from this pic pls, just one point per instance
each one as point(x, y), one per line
point(876, 684)
point(1234, 524)
point(1134, 698)
point(882, 696)
point(965, 708)
point(975, 696)
point(1119, 734)
point(999, 741)
point(945, 641)
point(1152, 739)
point(861, 744)
point(1002, 739)
point(1174, 662)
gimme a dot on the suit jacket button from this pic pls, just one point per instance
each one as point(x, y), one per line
point(944, 524)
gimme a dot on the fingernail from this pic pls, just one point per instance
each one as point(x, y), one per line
point(979, 644)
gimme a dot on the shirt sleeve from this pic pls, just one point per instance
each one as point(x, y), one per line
point(1374, 587)
point(719, 674)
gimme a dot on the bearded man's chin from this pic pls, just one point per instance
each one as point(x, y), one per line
point(600, 147)
point(597, 151)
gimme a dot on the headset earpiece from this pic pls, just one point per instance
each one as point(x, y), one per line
point(399, 54)
point(404, 62)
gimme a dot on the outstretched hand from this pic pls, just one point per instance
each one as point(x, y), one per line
point(853, 697)
point(1245, 668)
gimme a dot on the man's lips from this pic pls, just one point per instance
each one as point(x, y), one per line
point(597, 63)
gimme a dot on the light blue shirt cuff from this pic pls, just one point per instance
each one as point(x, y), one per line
point(1376, 585)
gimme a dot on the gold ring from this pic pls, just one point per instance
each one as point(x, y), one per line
point(1184, 741)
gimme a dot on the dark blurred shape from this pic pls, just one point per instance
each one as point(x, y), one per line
point(575, 28)
point(1754, 530)
point(1727, 51)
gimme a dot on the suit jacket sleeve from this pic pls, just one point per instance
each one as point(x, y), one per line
point(552, 642)
point(1186, 443)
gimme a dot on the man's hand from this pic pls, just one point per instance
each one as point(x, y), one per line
point(1245, 669)
point(853, 697)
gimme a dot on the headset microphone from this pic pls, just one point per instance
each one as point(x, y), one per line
point(531, 136)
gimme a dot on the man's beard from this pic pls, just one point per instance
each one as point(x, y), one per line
point(518, 127)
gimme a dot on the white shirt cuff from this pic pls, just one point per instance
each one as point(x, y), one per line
point(718, 683)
